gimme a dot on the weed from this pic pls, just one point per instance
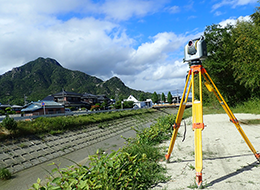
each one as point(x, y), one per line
point(5, 174)
point(179, 160)
point(23, 145)
point(194, 186)
point(179, 147)
point(208, 154)
point(191, 167)
point(192, 153)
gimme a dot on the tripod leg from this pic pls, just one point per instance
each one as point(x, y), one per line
point(229, 113)
point(178, 119)
point(197, 126)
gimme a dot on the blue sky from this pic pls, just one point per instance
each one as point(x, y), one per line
point(139, 41)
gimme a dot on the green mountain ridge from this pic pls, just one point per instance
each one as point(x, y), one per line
point(42, 77)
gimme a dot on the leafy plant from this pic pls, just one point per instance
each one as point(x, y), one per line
point(5, 174)
point(9, 123)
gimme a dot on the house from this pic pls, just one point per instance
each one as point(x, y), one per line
point(77, 100)
point(140, 104)
point(103, 98)
point(69, 99)
point(42, 108)
point(176, 99)
point(89, 98)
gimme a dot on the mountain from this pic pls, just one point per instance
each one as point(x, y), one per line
point(42, 77)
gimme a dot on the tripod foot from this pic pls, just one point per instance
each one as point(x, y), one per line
point(257, 155)
point(199, 179)
point(167, 157)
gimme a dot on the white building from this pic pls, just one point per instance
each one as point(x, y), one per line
point(140, 104)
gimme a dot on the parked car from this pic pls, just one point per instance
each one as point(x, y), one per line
point(67, 110)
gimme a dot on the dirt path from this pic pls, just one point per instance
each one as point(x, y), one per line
point(228, 163)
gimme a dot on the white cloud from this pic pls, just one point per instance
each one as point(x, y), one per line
point(99, 47)
point(174, 9)
point(218, 13)
point(152, 80)
point(232, 3)
point(233, 21)
point(172, 70)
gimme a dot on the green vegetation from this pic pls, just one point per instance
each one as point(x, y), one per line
point(126, 104)
point(250, 106)
point(9, 124)
point(169, 98)
point(233, 63)
point(5, 174)
point(163, 97)
point(55, 125)
point(135, 166)
point(155, 98)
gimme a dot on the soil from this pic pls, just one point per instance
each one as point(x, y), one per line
point(228, 163)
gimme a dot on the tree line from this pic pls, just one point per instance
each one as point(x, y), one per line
point(234, 59)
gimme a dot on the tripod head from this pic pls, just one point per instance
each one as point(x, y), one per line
point(195, 62)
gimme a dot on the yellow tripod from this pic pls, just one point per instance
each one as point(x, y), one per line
point(197, 117)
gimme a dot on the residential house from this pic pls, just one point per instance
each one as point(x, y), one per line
point(77, 100)
point(140, 104)
point(43, 108)
point(89, 98)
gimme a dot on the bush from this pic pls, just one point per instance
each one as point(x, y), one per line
point(9, 123)
point(2, 112)
point(5, 174)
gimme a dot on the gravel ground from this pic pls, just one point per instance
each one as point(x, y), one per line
point(228, 163)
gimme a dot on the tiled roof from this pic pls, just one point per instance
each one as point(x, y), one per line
point(33, 106)
point(65, 93)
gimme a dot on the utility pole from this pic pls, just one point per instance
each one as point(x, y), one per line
point(25, 101)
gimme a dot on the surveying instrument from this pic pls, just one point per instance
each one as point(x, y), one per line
point(196, 51)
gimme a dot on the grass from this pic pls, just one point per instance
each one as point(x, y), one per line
point(250, 106)
point(250, 121)
point(5, 174)
point(57, 125)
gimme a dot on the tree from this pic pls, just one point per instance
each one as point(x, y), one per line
point(9, 123)
point(169, 97)
point(128, 104)
point(163, 97)
point(219, 65)
point(142, 97)
point(117, 105)
point(246, 61)
point(155, 98)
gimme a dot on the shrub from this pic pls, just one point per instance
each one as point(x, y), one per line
point(5, 174)
point(94, 107)
point(9, 123)
point(2, 112)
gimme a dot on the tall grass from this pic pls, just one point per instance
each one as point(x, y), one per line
point(250, 106)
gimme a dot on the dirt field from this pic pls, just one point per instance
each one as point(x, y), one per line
point(228, 162)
